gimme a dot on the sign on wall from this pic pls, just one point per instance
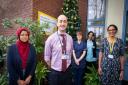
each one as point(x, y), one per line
point(47, 22)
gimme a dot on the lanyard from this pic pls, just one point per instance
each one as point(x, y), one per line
point(111, 45)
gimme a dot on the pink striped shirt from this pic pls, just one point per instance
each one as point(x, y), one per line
point(53, 50)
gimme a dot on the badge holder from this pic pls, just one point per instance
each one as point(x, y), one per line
point(110, 56)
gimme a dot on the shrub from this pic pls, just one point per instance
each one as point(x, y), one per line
point(92, 78)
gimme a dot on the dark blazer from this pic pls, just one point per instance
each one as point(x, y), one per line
point(94, 49)
point(14, 65)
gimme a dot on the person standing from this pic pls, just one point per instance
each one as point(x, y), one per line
point(111, 58)
point(58, 51)
point(91, 57)
point(21, 59)
point(78, 62)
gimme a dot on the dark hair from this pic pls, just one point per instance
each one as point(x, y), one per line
point(91, 32)
point(112, 25)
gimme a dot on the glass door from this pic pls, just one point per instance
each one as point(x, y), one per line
point(96, 18)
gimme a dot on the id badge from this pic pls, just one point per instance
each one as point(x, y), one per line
point(65, 56)
point(110, 56)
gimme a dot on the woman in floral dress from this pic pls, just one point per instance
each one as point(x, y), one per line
point(111, 58)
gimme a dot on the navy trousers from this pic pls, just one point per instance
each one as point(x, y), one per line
point(60, 78)
point(78, 74)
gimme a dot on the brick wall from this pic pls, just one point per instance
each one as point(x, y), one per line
point(29, 8)
point(83, 14)
point(50, 7)
point(12, 9)
point(53, 8)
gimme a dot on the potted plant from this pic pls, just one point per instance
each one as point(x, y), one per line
point(92, 78)
point(41, 73)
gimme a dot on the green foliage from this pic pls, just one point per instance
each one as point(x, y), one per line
point(92, 78)
point(5, 41)
point(6, 23)
point(41, 72)
point(1, 55)
point(37, 31)
point(70, 9)
point(3, 79)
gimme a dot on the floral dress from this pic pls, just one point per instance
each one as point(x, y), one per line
point(111, 66)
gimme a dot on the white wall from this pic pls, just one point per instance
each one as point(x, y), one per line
point(114, 14)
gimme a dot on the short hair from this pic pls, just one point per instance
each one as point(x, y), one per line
point(61, 15)
point(78, 33)
point(112, 25)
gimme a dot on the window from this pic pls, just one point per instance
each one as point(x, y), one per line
point(96, 18)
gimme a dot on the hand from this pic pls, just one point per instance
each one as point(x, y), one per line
point(27, 80)
point(121, 75)
point(48, 65)
point(21, 82)
point(77, 61)
point(100, 71)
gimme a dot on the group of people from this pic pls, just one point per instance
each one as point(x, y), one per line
point(84, 55)
point(66, 57)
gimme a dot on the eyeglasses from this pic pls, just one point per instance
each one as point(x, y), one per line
point(112, 30)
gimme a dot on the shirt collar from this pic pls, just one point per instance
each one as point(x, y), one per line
point(60, 33)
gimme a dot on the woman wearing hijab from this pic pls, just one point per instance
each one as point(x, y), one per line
point(21, 60)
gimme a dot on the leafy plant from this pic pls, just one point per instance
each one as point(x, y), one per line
point(92, 78)
point(37, 31)
point(6, 23)
point(5, 41)
point(41, 72)
point(3, 77)
point(1, 55)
